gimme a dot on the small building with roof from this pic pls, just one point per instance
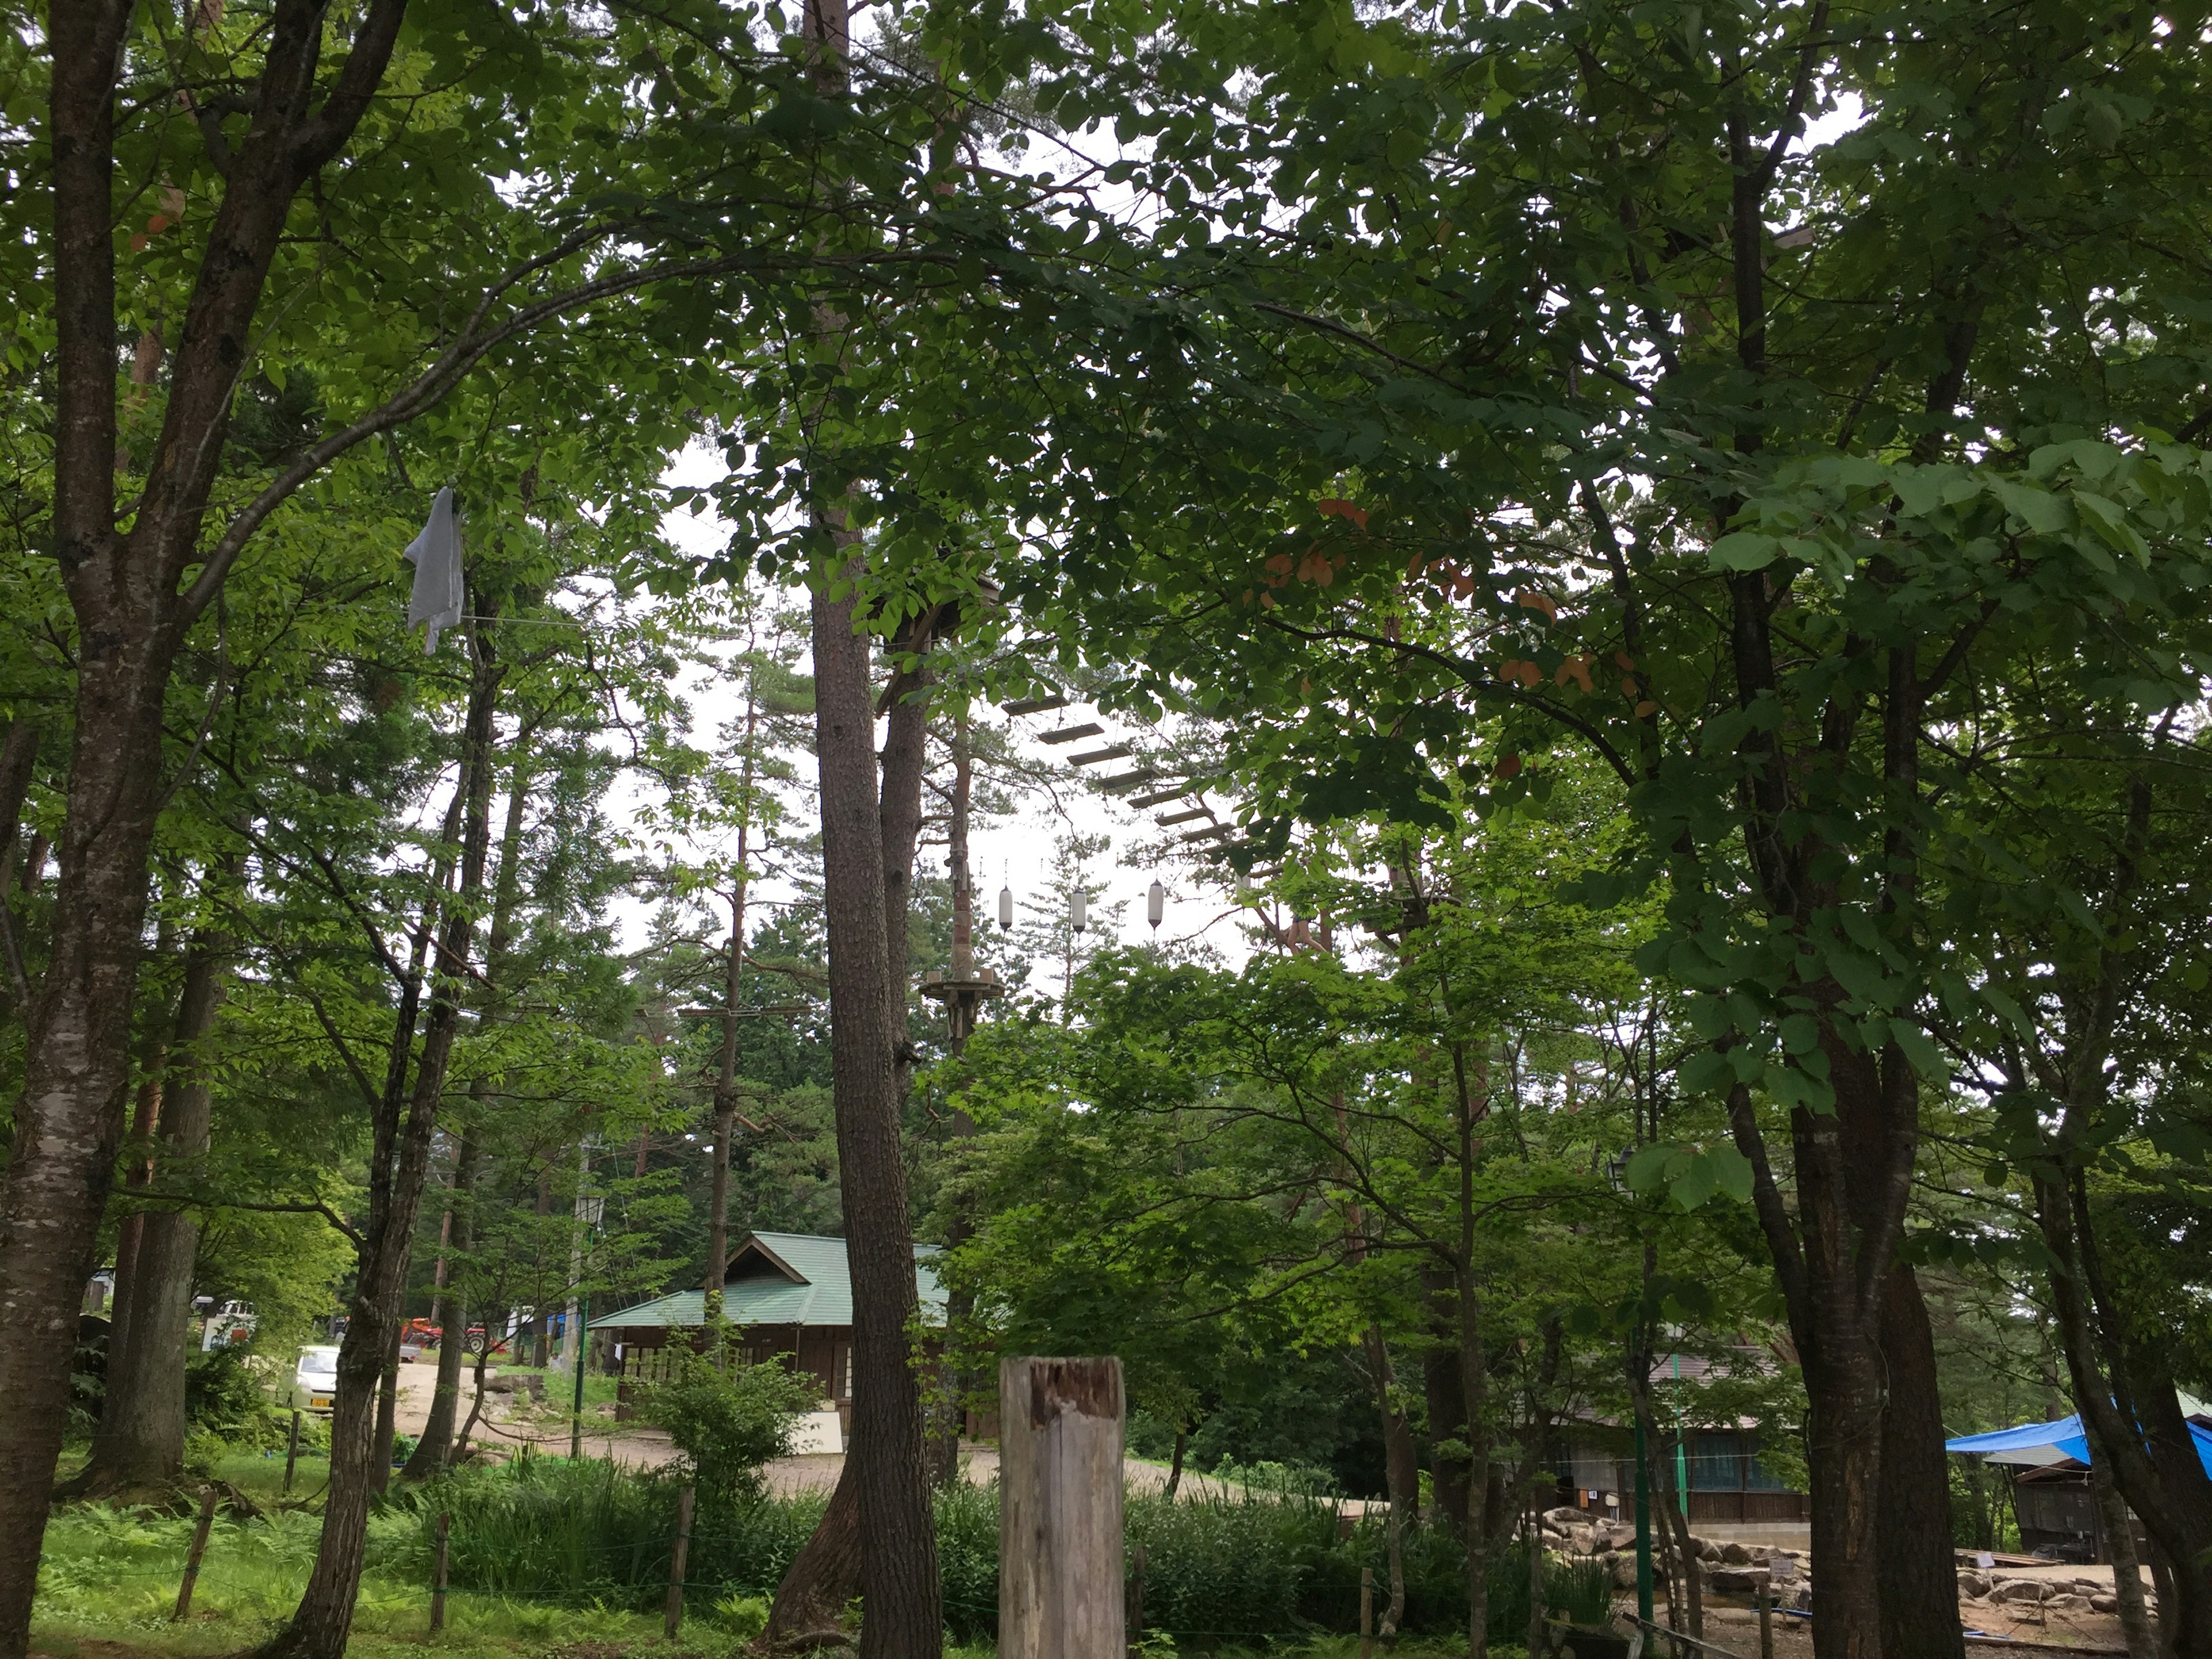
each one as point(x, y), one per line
point(790, 1295)
point(2055, 1506)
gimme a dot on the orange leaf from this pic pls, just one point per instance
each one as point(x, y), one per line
point(1627, 688)
point(1576, 668)
point(1646, 707)
point(1624, 659)
point(1537, 599)
point(1508, 767)
point(1333, 507)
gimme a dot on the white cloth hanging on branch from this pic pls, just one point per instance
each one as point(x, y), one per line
point(439, 596)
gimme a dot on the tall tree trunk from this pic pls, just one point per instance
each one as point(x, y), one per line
point(897, 1535)
point(434, 1450)
point(387, 1432)
point(145, 1122)
point(1447, 1403)
point(725, 1071)
point(824, 1574)
point(1918, 1567)
point(541, 1353)
point(953, 1381)
point(1473, 1105)
point(2136, 1628)
point(18, 760)
point(139, 1445)
point(2128, 1396)
point(397, 1169)
point(1834, 1258)
point(132, 603)
point(1401, 1475)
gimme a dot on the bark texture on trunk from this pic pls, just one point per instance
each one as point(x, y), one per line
point(2127, 1398)
point(1475, 1378)
point(145, 1122)
point(1919, 1573)
point(2136, 1629)
point(897, 1534)
point(1401, 1473)
point(387, 1404)
point(824, 1575)
point(140, 1442)
point(132, 605)
point(1447, 1403)
point(399, 1166)
point(434, 1448)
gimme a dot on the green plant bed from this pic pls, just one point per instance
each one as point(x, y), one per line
point(109, 1577)
point(1221, 1571)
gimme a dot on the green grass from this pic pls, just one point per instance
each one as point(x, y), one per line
point(545, 1552)
point(1220, 1570)
point(111, 1576)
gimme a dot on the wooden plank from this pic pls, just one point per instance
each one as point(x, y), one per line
point(1059, 1510)
point(192, 1558)
point(438, 1567)
point(1676, 1636)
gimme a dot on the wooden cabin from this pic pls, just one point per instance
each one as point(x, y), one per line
point(790, 1295)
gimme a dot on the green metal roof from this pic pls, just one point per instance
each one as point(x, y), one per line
point(780, 1279)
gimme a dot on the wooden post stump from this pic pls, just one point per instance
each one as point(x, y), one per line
point(192, 1558)
point(1135, 1616)
point(674, 1621)
point(1766, 1624)
point(1059, 1510)
point(1366, 1612)
point(438, 1574)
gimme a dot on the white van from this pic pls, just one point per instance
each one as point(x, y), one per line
point(315, 1379)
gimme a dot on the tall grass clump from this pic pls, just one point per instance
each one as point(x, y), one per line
point(544, 1529)
point(1224, 1567)
point(1236, 1569)
point(967, 1561)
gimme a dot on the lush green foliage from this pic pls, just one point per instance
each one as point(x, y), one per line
point(1219, 1570)
point(728, 1418)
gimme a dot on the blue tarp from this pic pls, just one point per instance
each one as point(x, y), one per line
point(2077, 1446)
point(2047, 1443)
point(2028, 1436)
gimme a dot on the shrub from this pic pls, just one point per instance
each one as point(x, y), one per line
point(728, 1418)
point(223, 1398)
